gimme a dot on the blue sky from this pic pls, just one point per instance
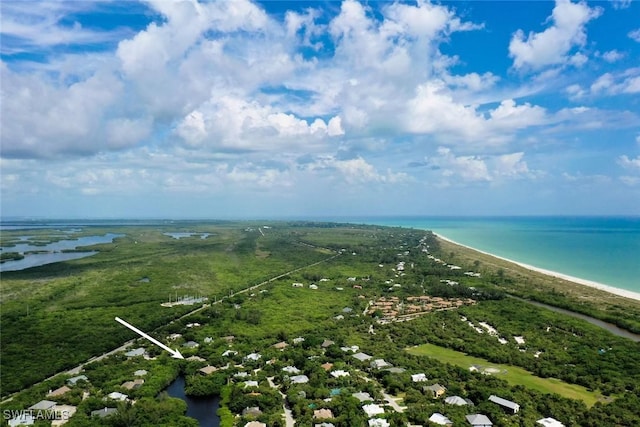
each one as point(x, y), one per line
point(190, 109)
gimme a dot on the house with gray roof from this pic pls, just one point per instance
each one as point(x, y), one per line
point(74, 380)
point(104, 412)
point(506, 404)
point(362, 357)
point(479, 420)
point(43, 405)
point(140, 351)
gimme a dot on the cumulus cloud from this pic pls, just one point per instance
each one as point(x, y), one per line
point(553, 46)
point(634, 35)
point(355, 170)
point(629, 163)
point(626, 82)
point(474, 168)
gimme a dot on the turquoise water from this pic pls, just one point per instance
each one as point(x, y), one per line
point(601, 249)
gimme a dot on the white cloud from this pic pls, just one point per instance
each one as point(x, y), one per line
point(631, 181)
point(626, 82)
point(629, 163)
point(553, 45)
point(39, 25)
point(355, 171)
point(620, 4)
point(231, 122)
point(485, 168)
point(612, 56)
point(634, 35)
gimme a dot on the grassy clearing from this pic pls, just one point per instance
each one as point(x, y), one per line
point(513, 374)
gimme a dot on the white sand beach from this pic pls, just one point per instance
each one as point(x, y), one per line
point(616, 291)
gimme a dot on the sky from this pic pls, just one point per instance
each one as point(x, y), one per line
point(234, 108)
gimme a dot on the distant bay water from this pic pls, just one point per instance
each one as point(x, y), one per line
point(600, 249)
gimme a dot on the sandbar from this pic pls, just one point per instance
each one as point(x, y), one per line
point(612, 290)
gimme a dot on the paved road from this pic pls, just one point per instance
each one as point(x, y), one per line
point(288, 417)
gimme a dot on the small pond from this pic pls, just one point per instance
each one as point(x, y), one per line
point(203, 409)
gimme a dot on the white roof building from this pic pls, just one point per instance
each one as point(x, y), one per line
point(339, 373)
point(378, 422)
point(372, 409)
point(549, 422)
point(419, 378)
point(440, 419)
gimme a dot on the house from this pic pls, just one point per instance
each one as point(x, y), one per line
point(196, 359)
point(321, 414)
point(116, 395)
point(140, 373)
point(353, 348)
point(174, 337)
point(74, 380)
point(281, 345)
point(63, 413)
point(507, 404)
point(438, 418)
point(379, 364)
point(457, 400)
point(191, 344)
point(229, 353)
point(362, 357)
point(24, 419)
point(140, 351)
point(250, 383)
point(255, 424)
point(339, 373)
point(291, 370)
point(59, 391)
point(327, 366)
point(436, 390)
point(327, 343)
point(105, 412)
point(299, 379)
point(347, 310)
point(207, 370)
point(241, 375)
point(130, 385)
point(395, 370)
point(418, 378)
point(313, 287)
point(43, 405)
point(208, 340)
point(479, 420)
point(252, 411)
point(549, 422)
point(229, 338)
point(253, 357)
point(378, 422)
point(298, 340)
point(372, 410)
point(297, 285)
point(362, 396)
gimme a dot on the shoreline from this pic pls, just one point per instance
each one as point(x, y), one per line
point(590, 283)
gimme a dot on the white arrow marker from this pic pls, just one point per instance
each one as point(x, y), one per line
point(174, 353)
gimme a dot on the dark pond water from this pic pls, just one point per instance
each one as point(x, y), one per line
point(202, 409)
point(605, 325)
point(53, 251)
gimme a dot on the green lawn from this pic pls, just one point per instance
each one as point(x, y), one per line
point(513, 374)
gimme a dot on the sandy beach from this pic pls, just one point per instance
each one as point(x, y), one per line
point(616, 291)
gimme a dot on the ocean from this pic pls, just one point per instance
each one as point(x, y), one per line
point(601, 249)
